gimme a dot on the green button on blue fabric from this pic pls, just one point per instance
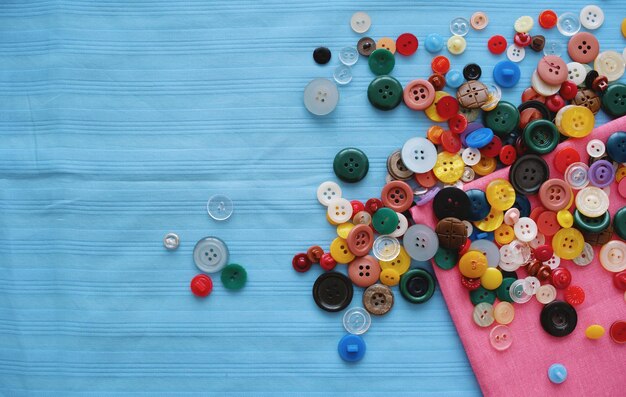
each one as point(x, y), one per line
point(351, 165)
point(384, 92)
point(385, 220)
point(381, 61)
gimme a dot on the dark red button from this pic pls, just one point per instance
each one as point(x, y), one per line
point(544, 252)
point(440, 64)
point(619, 280)
point(327, 262)
point(564, 158)
point(314, 253)
point(522, 39)
point(470, 283)
point(202, 285)
point(561, 278)
point(555, 102)
point(372, 205)
point(301, 263)
point(568, 90)
point(457, 123)
point(618, 331)
point(447, 107)
point(451, 142)
point(547, 19)
point(493, 148)
point(406, 44)
point(357, 207)
point(508, 154)
point(497, 44)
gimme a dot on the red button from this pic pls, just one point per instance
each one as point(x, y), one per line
point(618, 331)
point(530, 94)
point(457, 123)
point(201, 285)
point(327, 262)
point(440, 64)
point(522, 39)
point(497, 44)
point(406, 44)
point(561, 277)
point(548, 225)
point(447, 107)
point(543, 252)
point(535, 212)
point(619, 280)
point(451, 142)
point(357, 207)
point(574, 295)
point(372, 205)
point(555, 102)
point(508, 154)
point(426, 179)
point(493, 148)
point(547, 19)
point(564, 158)
point(568, 90)
point(300, 262)
point(465, 247)
point(470, 283)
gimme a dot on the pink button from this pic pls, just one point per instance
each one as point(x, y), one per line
point(364, 271)
point(511, 216)
point(621, 188)
point(360, 239)
point(500, 337)
point(583, 47)
point(552, 70)
point(555, 194)
point(420, 94)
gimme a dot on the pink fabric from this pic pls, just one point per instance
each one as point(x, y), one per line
point(595, 367)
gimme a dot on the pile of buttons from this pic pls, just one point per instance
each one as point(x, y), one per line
point(210, 254)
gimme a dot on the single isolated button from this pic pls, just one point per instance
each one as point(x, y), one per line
point(357, 320)
point(351, 348)
point(558, 318)
point(171, 241)
point(210, 254)
point(568, 24)
point(500, 337)
point(219, 207)
point(201, 285)
point(557, 373)
point(594, 332)
point(417, 286)
point(332, 291)
point(360, 22)
point(591, 17)
point(384, 92)
point(365, 46)
point(378, 299)
point(351, 165)
point(321, 55)
point(618, 331)
point(479, 20)
point(321, 96)
point(234, 276)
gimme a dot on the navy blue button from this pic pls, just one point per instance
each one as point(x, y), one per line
point(522, 204)
point(479, 207)
point(616, 146)
point(506, 74)
point(351, 348)
point(479, 138)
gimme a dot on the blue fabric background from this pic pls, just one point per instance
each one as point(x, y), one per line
point(119, 119)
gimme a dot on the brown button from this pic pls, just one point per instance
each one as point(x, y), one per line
point(528, 115)
point(451, 232)
point(396, 167)
point(600, 84)
point(366, 46)
point(472, 94)
point(397, 195)
point(438, 81)
point(538, 43)
point(360, 240)
point(538, 269)
point(314, 253)
point(599, 238)
point(378, 299)
point(588, 99)
point(530, 94)
point(364, 271)
point(583, 47)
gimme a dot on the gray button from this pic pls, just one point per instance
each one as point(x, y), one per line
point(210, 254)
point(396, 167)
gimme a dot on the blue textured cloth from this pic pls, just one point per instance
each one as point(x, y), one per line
point(118, 121)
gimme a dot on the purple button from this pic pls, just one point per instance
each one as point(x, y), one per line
point(601, 173)
point(471, 127)
point(427, 198)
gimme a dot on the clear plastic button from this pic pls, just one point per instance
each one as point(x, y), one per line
point(553, 47)
point(459, 26)
point(171, 241)
point(348, 56)
point(342, 74)
point(210, 254)
point(500, 337)
point(357, 321)
point(360, 22)
point(386, 248)
point(568, 24)
point(518, 293)
point(321, 96)
point(531, 285)
point(219, 207)
point(577, 175)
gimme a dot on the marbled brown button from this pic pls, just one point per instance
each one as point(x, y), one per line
point(588, 99)
point(396, 167)
point(452, 233)
point(438, 81)
point(472, 94)
point(378, 299)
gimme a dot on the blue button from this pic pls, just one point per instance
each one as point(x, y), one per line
point(479, 138)
point(616, 147)
point(351, 348)
point(522, 204)
point(479, 207)
point(471, 127)
point(557, 373)
point(506, 74)
point(454, 78)
point(433, 43)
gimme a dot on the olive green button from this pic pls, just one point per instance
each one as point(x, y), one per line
point(619, 223)
point(541, 136)
point(503, 290)
point(351, 165)
point(417, 285)
point(234, 276)
point(385, 220)
point(503, 119)
point(384, 92)
point(614, 100)
point(592, 225)
point(445, 258)
point(481, 294)
point(381, 61)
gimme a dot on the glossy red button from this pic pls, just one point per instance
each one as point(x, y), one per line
point(202, 285)
point(440, 64)
point(357, 206)
point(522, 39)
point(372, 205)
point(508, 154)
point(555, 102)
point(547, 19)
point(327, 262)
point(447, 107)
point(457, 123)
point(543, 252)
point(300, 262)
point(619, 280)
point(406, 44)
point(564, 157)
point(561, 278)
point(618, 331)
point(548, 225)
point(470, 283)
point(426, 179)
point(535, 212)
point(568, 90)
point(497, 44)
point(451, 142)
point(465, 247)
point(530, 94)
point(493, 148)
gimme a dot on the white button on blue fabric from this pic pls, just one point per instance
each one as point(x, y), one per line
point(321, 96)
point(568, 24)
point(210, 254)
point(515, 53)
point(459, 26)
point(591, 17)
point(342, 74)
point(328, 191)
point(360, 22)
point(171, 241)
point(386, 248)
point(419, 155)
point(357, 321)
point(420, 242)
point(348, 56)
point(219, 207)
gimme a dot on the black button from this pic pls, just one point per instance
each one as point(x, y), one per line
point(366, 46)
point(508, 274)
point(591, 76)
point(558, 318)
point(451, 202)
point(332, 291)
point(472, 71)
point(321, 55)
point(417, 285)
point(528, 173)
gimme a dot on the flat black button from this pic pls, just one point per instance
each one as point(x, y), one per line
point(451, 202)
point(417, 285)
point(472, 71)
point(558, 318)
point(528, 173)
point(366, 46)
point(332, 291)
point(321, 55)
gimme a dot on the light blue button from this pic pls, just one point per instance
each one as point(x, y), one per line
point(351, 348)
point(557, 373)
point(420, 242)
point(434, 43)
point(454, 78)
point(210, 254)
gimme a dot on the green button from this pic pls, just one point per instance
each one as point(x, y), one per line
point(385, 220)
point(593, 225)
point(381, 61)
point(445, 258)
point(503, 119)
point(619, 223)
point(503, 290)
point(614, 99)
point(234, 276)
point(417, 285)
point(481, 294)
point(351, 165)
point(541, 136)
point(385, 92)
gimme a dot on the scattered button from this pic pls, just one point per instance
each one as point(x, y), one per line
point(434, 43)
point(365, 46)
point(332, 291)
point(515, 53)
point(321, 96)
point(417, 286)
point(591, 17)
point(506, 74)
point(546, 294)
point(497, 44)
point(558, 318)
point(610, 64)
point(351, 348)
point(479, 20)
point(406, 44)
point(381, 62)
point(210, 254)
point(613, 256)
point(618, 331)
point(583, 47)
point(419, 94)
point(386, 43)
point(568, 24)
point(500, 337)
point(456, 45)
point(171, 241)
point(378, 299)
point(360, 22)
point(524, 24)
point(357, 320)
point(321, 55)
point(234, 276)
point(386, 248)
point(547, 19)
point(351, 165)
point(557, 373)
point(594, 332)
point(201, 285)
point(342, 74)
point(384, 92)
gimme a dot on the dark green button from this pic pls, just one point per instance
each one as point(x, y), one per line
point(417, 286)
point(381, 61)
point(234, 276)
point(619, 223)
point(445, 258)
point(351, 165)
point(541, 136)
point(385, 220)
point(385, 92)
point(614, 100)
point(593, 225)
point(503, 120)
point(503, 292)
point(481, 294)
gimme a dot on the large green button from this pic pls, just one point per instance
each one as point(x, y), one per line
point(351, 165)
point(592, 225)
point(503, 119)
point(619, 223)
point(417, 285)
point(541, 136)
point(481, 294)
point(381, 61)
point(385, 220)
point(614, 99)
point(385, 92)
point(234, 276)
point(445, 258)
point(503, 290)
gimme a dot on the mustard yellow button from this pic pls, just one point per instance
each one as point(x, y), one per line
point(389, 277)
point(504, 234)
point(473, 264)
point(491, 278)
point(565, 218)
point(492, 221)
point(485, 166)
point(330, 220)
point(504, 313)
point(577, 122)
point(568, 243)
point(500, 194)
point(620, 173)
point(340, 252)
point(401, 264)
point(594, 331)
point(387, 43)
point(624, 27)
point(344, 229)
point(431, 111)
point(449, 167)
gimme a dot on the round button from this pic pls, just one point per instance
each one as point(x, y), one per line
point(419, 155)
point(396, 167)
point(479, 20)
point(547, 223)
point(315, 253)
point(541, 136)
point(552, 70)
point(518, 292)
point(480, 294)
point(504, 234)
point(614, 102)
point(619, 222)
point(541, 87)
point(618, 331)
point(610, 64)
point(504, 313)
point(583, 47)
point(515, 53)
point(384, 92)
point(351, 348)
point(219, 207)
point(601, 173)
point(386, 248)
point(446, 258)
point(406, 44)
point(400, 264)
point(564, 158)
point(506, 74)
point(348, 56)
point(558, 318)
point(327, 262)
point(210, 254)
point(459, 26)
point(596, 148)
point(592, 202)
point(171, 241)
point(568, 24)
point(201, 285)
point(386, 43)
point(577, 175)
point(591, 17)
point(452, 202)
point(568, 243)
point(555, 194)
point(508, 155)
point(421, 242)
point(561, 277)
point(417, 286)
point(351, 165)
point(234, 276)
point(488, 248)
point(434, 43)
point(500, 194)
point(451, 233)
point(483, 314)
point(385, 221)
point(360, 239)
point(547, 19)
point(574, 295)
point(301, 263)
point(419, 94)
point(576, 73)
point(528, 173)
point(491, 279)
point(613, 256)
point(500, 337)
point(553, 47)
point(360, 22)
point(557, 373)
point(339, 210)
point(586, 257)
point(321, 96)
point(321, 55)
point(398, 196)
point(378, 299)
point(472, 94)
point(456, 45)
point(364, 271)
point(381, 61)
point(357, 320)
point(497, 44)
point(328, 191)
point(332, 291)
point(523, 24)
point(389, 277)
point(616, 145)
point(473, 264)
point(342, 74)
point(365, 46)
point(546, 294)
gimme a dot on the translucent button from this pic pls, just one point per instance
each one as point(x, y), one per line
point(483, 314)
point(524, 24)
point(386, 248)
point(568, 24)
point(553, 262)
point(592, 202)
point(328, 191)
point(577, 175)
point(342, 74)
point(610, 64)
point(357, 321)
point(515, 53)
point(613, 256)
point(552, 47)
point(531, 285)
point(219, 207)
point(210, 254)
point(586, 257)
point(348, 56)
point(518, 293)
point(596, 148)
point(360, 22)
point(420, 242)
point(321, 96)
point(171, 241)
point(459, 26)
point(339, 210)
point(500, 337)
point(591, 17)
point(546, 294)
point(504, 313)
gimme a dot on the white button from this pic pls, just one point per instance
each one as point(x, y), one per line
point(488, 248)
point(342, 74)
point(568, 24)
point(210, 254)
point(525, 229)
point(515, 53)
point(613, 256)
point(459, 26)
point(360, 22)
point(517, 293)
point(591, 17)
point(542, 87)
point(403, 224)
point(468, 175)
point(538, 241)
point(219, 207)
point(610, 64)
point(328, 191)
point(595, 148)
point(339, 210)
point(471, 156)
point(531, 285)
point(592, 202)
point(553, 262)
point(546, 294)
point(419, 155)
point(421, 242)
point(357, 321)
point(576, 73)
point(171, 241)
point(470, 229)
point(321, 96)
point(483, 314)
point(585, 257)
point(523, 24)
point(386, 248)
point(348, 56)
point(552, 47)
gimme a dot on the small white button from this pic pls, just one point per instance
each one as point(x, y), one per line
point(525, 229)
point(339, 210)
point(328, 191)
point(419, 155)
point(595, 148)
point(546, 294)
point(171, 241)
point(471, 156)
point(515, 53)
point(210, 254)
point(576, 73)
point(321, 96)
point(613, 256)
point(592, 202)
point(591, 17)
point(360, 22)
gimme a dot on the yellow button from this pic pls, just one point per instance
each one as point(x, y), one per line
point(523, 24)
point(504, 313)
point(330, 220)
point(504, 234)
point(387, 43)
point(449, 167)
point(568, 243)
point(389, 277)
point(500, 194)
point(340, 252)
point(492, 221)
point(473, 264)
point(594, 331)
point(401, 264)
point(485, 166)
point(491, 279)
point(565, 218)
point(344, 229)
point(620, 173)
point(456, 45)
point(431, 111)
point(624, 27)
point(577, 122)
